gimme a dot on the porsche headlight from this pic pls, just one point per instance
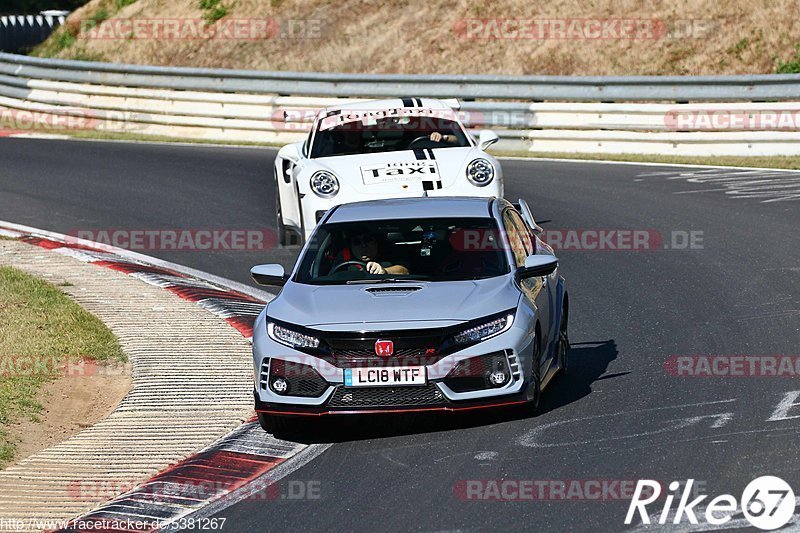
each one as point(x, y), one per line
point(291, 338)
point(480, 172)
point(324, 184)
point(485, 331)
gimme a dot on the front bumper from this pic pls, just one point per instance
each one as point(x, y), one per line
point(444, 406)
point(442, 391)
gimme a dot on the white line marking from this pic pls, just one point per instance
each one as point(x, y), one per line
point(768, 186)
point(528, 439)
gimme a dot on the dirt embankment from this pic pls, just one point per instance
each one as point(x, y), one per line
point(560, 37)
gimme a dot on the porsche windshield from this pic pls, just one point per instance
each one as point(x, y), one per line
point(366, 135)
point(441, 249)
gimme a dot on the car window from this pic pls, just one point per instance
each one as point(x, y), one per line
point(389, 134)
point(436, 249)
point(524, 231)
point(515, 238)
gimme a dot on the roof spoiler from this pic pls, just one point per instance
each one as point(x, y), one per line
point(299, 115)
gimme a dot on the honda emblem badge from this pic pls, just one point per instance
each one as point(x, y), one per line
point(384, 348)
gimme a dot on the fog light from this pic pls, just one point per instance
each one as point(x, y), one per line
point(280, 386)
point(498, 378)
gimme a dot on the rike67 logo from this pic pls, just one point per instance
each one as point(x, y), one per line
point(767, 503)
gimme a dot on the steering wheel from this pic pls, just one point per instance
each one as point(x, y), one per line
point(419, 140)
point(361, 264)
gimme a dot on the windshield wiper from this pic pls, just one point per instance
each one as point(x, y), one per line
point(383, 280)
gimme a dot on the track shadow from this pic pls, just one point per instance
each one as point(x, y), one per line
point(587, 362)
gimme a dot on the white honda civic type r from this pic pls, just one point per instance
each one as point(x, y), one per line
point(405, 147)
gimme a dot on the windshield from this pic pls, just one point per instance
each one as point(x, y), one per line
point(366, 135)
point(441, 249)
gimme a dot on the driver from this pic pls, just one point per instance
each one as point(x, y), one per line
point(349, 139)
point(364, 247)
point(443, 138)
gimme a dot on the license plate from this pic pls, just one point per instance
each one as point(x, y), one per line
point(400, 172)
point(380, 377)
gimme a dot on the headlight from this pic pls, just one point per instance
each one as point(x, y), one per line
point(480, 172)
point(291, 338)
point(485, 331)
point(324, 184)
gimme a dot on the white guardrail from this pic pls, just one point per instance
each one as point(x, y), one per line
point(735, 115)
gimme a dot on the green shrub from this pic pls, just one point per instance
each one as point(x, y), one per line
point(99, 16)
point(738, 48)
point(61, 39)
point(214, 9)
point(792, 66)
point(81, 54)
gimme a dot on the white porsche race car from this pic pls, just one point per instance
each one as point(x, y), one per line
point(379, 149)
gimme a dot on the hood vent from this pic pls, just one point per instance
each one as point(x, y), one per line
point(392, 291)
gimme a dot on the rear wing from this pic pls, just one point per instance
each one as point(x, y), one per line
point(527, 215)
point(299, 115)
point(452, 103)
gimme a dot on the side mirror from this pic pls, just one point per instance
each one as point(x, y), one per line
point(486, 139)
point(269, 275)
point(537, 265)
point(290, 152)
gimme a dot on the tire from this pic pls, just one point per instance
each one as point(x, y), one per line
point(283, 238)
point(562, 348)
point(535, 388)
point(275, 425)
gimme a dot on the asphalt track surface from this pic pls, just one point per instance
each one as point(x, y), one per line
point(618, 415)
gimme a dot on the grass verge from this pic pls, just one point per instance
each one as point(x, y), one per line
point(41, 328)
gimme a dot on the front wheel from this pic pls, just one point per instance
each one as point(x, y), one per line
point(535, 388)
point(283, 237)
point(562, 348)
